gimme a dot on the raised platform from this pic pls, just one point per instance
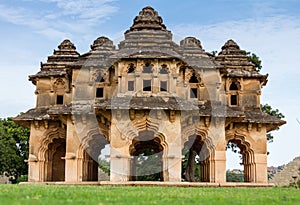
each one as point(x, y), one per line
point(150, 183)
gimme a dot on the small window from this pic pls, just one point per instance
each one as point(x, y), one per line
point(146, 85)
point(130, 85)
point(233, 100)
point(59, 99)
point(194, 93)
point(99, 93)
point(163, 86)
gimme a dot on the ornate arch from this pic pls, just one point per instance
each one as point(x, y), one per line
point(50, 135)
point(247, 153)
point(46, 166)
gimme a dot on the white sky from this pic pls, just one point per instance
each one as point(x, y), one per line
point(31, 29)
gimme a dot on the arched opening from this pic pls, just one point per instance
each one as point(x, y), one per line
point(146, 158)
point(147, 68)
point(54, 160)
point(233, 86)
point(95, 165)
point(196, 161)
point(238, 162)
point(131, 68)
point(193, 79)
point(100, 79)
point(164, 70)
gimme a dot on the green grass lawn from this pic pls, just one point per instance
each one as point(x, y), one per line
point(42, 194)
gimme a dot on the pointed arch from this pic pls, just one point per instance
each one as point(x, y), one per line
point(247, 152)
point(51, 155)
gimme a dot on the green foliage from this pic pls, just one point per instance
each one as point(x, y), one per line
point(104, 166)
point(273, 112)
point(214, 53)
point(149, 166)
point(255, 60)
point(234, 177)
point(13, 149)
point(91, 195)
point(184, 165)
point(23, 178)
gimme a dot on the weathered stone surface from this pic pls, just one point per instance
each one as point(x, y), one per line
point(147, 94)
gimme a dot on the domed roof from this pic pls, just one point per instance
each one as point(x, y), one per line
point(191, 42)
point(102, 43)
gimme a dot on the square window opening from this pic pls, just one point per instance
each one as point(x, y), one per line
point(163, 86)
point(99, 93)
point(194, 93)
point(59, 99)
point(130, 85)
point(146, 85)
point(233, 100)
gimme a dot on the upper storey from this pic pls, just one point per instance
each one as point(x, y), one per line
point(149, 68)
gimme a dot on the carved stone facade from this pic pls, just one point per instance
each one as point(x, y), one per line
point(149, 94)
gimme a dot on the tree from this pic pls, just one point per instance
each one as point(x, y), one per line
point(149, 166)
point(234, 177)
point(273, 112)
point(255, 60)
point(13, 149)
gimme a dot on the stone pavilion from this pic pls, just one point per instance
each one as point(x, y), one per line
point(147, 95)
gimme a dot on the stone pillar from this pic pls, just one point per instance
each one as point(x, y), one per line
point(173, 164)
point(258, 160)
point(119, 166)
point(218, 167)
point(72, 145)
point(218, 154)
point(119, 154)
point(260, 168)
point(36, 161)
point(172, 133)
point(34, 173)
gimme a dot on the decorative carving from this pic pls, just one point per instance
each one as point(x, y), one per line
point(46, 124)
point(172, 116)
point(131, 114)
point(36, 124)
point(249, 128)
point(59, 86)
